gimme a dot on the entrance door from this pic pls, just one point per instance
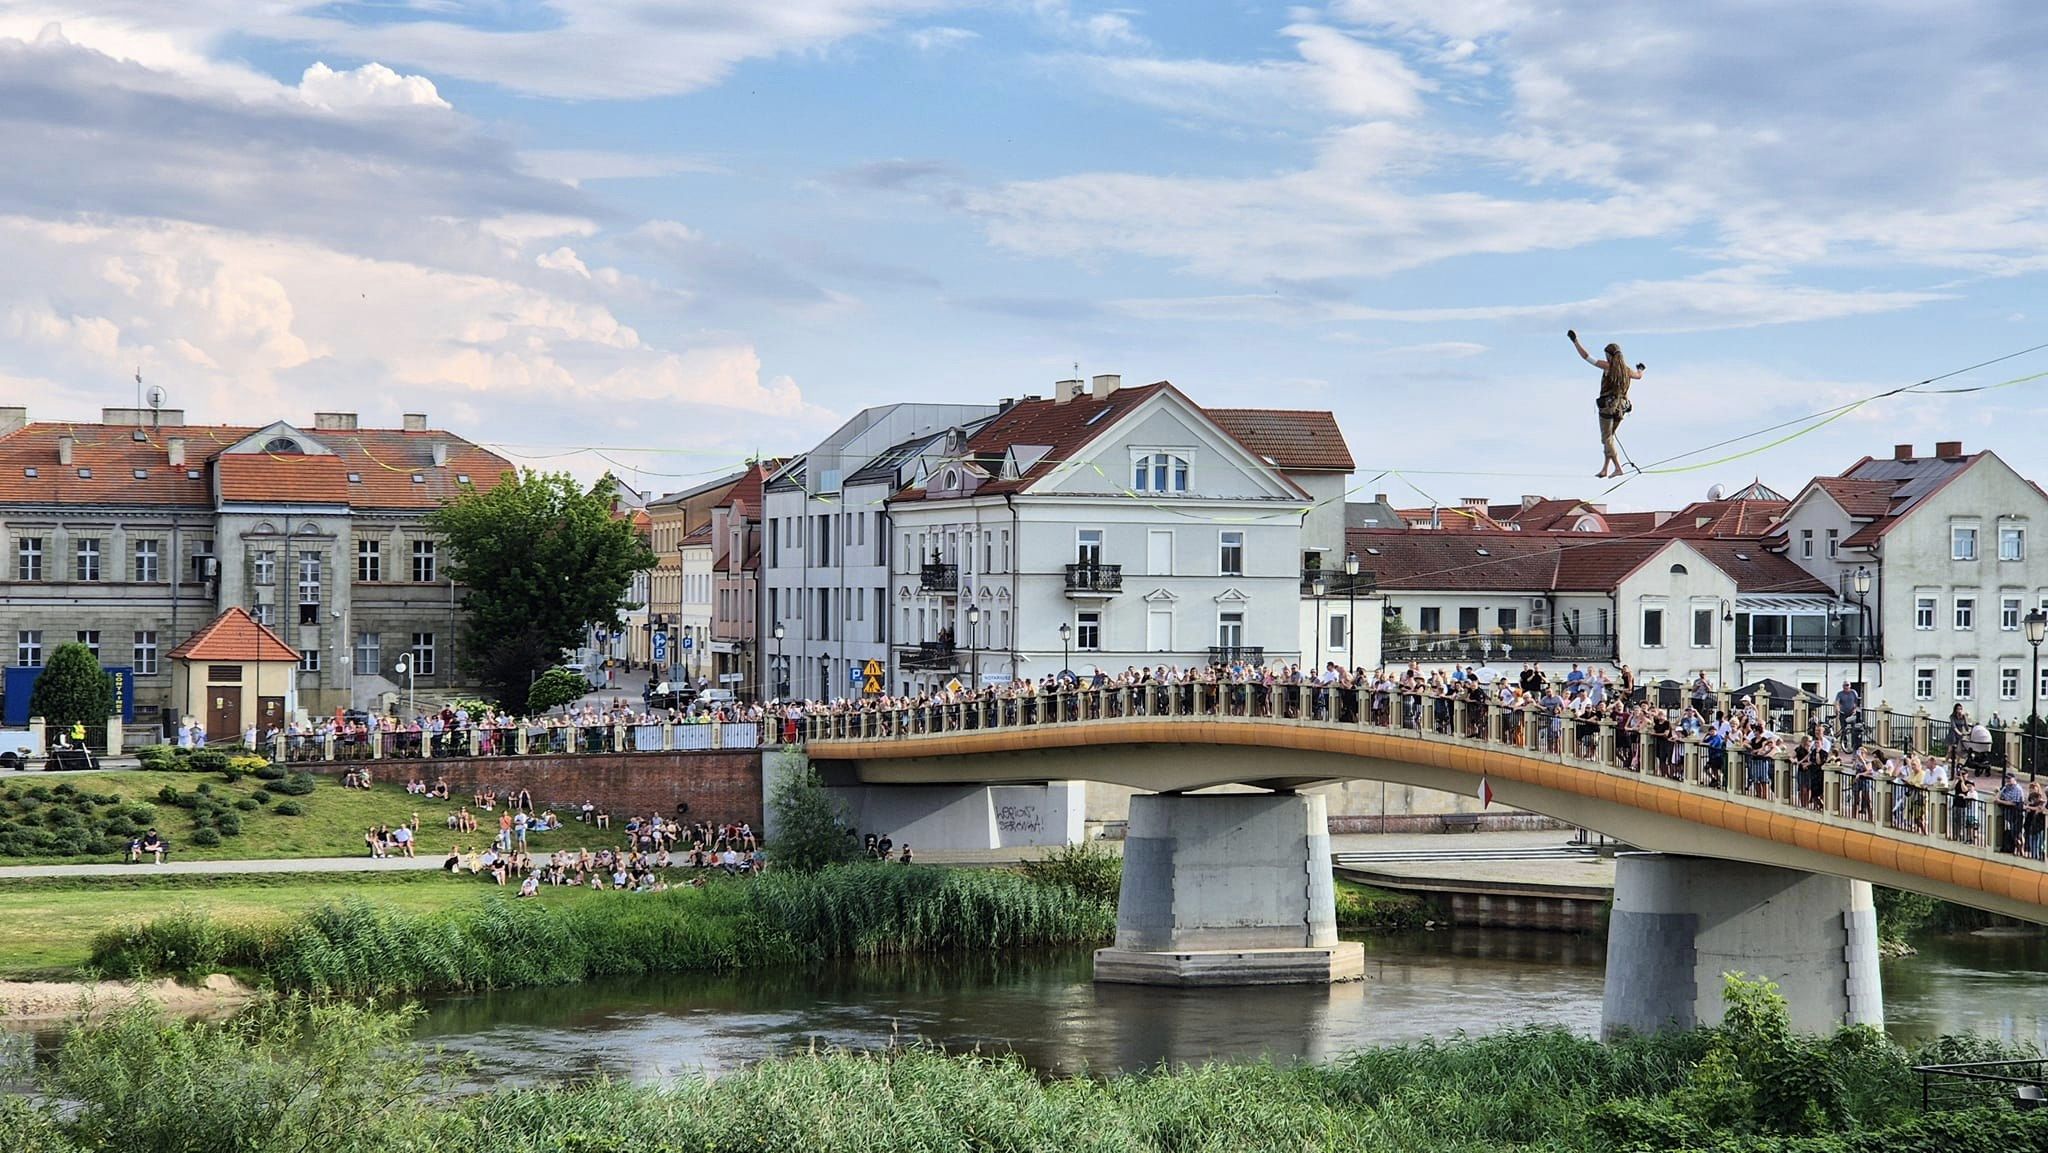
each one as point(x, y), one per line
point(269, 713)
point(1159, 631)
point(224, 712)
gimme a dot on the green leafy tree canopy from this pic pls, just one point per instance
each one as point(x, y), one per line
point(555, 687)
point(542, 558)
point(811, 826)
point(72, 689)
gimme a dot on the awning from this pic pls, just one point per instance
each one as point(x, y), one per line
point(1794, 603)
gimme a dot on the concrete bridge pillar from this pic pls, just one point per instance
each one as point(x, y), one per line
point(1679, 923)
point(1228, 889)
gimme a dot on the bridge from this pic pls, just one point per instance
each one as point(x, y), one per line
point(1224, 888)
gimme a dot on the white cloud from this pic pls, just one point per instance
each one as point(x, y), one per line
point(1356, 79)
point(940, 38)
point(370, 86)
point(563, 259)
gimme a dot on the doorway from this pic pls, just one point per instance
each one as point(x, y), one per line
point(269, 714)
point(224, 713)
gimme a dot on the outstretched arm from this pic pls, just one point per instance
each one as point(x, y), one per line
point(1636, 373)
point(1583, 354)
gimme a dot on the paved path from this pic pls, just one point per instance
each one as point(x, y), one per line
point(217, 868)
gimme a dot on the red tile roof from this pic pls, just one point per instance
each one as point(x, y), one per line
point(1517, 562)
point(746, 494)
point(1723, 518)
point(234, 636)
point(1306, 440)
point(1064, 428)
point(384, 462)
point(1858, 498)
point(1758, 571)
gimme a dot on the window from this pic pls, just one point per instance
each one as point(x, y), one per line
point(1806, 543)
point(1923, 684)
point(369, 655)
point(423, 558)
point(2009, 684)
point(90, 638)
point(1966, 684)
point(148, 570)
point(261, 614)
point(2012, 542)
point(1923, 613)
point(1337, 630)
point(1430, 620)
point(309, 578)
point(1703, 628)
point(28, 558)
point(1507, 620)
point(2009, 614)
point(86, 562)
point(1468, 620)
point(266, 567)
point(144, 658)
point(1230, 558)
point(2042, 688)
point(1834, 543)
point(1159, 472)
point(1087, 631)
point(28, 647)
point(1962, 542)
point(1966, 613)
point(202, 560)
point(1653, 628)
point(369, 561)
point(423, 654)
point(1088, 546)
point(1230, 629)
point(309, 659)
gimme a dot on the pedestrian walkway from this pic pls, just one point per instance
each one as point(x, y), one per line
point(221, 868)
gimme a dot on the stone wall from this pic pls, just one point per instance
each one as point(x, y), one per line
point(718, 785)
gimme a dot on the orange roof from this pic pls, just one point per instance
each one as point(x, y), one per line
point(1290, 438)
point(370, 468)
point(234, 636)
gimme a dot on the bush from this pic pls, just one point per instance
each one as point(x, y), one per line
point(554, 688)
point(289, 809)
point(1087, 869)
point(229, 824)
point(249, 804)
point(259, 796)
point(271, 773)
point(170, 796)
point(811, 826)
point(160, 758)
point(207, 760)
point(72, 689)
point(205, 838)
point(294, 785)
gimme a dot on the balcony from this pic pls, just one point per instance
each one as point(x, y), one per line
point(1231, 654)
point(1870, 648)
point(1338, 583)
point(1481, 647)
point(927, 656)
point(1094, 580)
point(939, 578)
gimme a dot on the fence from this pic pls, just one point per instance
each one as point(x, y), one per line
point(516, 741)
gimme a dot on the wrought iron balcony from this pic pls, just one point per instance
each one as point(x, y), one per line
point(1518, 646)
point(1338, 583)
point(939, 578)
point(928, 655)
point(1230, 654)
point(1095, 579)
point(1842, 648)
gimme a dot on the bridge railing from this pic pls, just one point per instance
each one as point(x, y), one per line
point(1831, 792)
point(516, 741)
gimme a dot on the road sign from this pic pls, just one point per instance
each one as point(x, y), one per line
point(871, 669)
point(661, 647)
point(689, 642)
point(852, 675)
point(729, 678)
point(871, 687)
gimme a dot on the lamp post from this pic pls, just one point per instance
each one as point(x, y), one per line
point(781, 682)
point(2036, 622)
point(1351, 607)
point(974, 645)
point(404, 667)
point(1860, 581)
point(1066, 650)
point(1727, 625)
point(1316, 589)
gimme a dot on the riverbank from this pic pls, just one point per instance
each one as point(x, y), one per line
point(51, 1001)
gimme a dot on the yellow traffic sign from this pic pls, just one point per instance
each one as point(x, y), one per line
point(873, 686)
point(871, 670)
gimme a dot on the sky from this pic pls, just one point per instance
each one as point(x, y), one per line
point(660, 237)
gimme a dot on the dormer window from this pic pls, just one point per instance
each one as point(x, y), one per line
point(951, 479)
point(1159, 472)
point(283, 446)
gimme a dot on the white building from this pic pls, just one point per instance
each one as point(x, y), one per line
point(1945, 540)
point(825, 562)
point(691, 655)
point(1109, 527)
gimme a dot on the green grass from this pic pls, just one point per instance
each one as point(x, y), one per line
point(331, 826)
point(51, 922)
point(1367, 908)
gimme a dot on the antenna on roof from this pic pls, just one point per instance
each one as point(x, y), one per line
point(1714, 493)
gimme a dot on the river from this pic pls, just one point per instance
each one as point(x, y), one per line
point(1044, 1008)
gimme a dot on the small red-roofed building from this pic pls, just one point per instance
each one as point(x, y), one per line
point(234, 674)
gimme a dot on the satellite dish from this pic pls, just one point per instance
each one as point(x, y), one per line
point(1714, 493)
point(156, 397)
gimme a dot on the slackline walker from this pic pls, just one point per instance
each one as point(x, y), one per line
point(1615, 377)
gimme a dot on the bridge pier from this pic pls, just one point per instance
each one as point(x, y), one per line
point(1680, 922)
point(1228, 889)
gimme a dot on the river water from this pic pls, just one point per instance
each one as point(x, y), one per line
point(1045, 1008)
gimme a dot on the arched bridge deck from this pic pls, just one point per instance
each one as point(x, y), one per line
point(1179, 738)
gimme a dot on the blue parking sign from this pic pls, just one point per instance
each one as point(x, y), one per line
point(660, 647)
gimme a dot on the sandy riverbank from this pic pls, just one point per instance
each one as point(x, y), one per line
point(54, 1000)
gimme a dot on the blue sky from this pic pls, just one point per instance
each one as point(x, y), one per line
point(683, 232)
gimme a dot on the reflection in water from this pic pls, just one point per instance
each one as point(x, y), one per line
point(1994, 983)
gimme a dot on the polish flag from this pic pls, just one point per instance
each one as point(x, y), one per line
point(1485, 794)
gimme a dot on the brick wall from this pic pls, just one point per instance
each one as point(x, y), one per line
point(722, 785)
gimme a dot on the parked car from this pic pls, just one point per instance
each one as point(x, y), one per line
point(664, 695)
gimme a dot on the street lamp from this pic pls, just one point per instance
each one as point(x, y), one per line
point(1066, 651)
point(1351, 607)
point(781, 681)
point(2036, 622)
point(974, 644)
point(404, 668)
point(1860, 581)
point(1316, 589)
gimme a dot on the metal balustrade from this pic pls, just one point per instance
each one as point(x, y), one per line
point(1831, 795)
point(518, 741)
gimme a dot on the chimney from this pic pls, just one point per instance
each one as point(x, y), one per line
point(1949, 449)
point(440, 453)
point(13, 417)
point(1902, 452)
point(1478, 502)
point(334, 421)
point(176, 445)
point(1379, 498)
point(64, 443)
point(1531, 500)
point(415, 422)
point(1103, 385)
point(1065, 390)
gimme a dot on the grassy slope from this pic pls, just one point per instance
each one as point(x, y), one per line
point(332, 825)
point(50, 924)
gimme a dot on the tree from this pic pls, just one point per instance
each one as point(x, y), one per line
point(555, 687)
point(542, 559)
point(72, 689)
point(811, 826)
